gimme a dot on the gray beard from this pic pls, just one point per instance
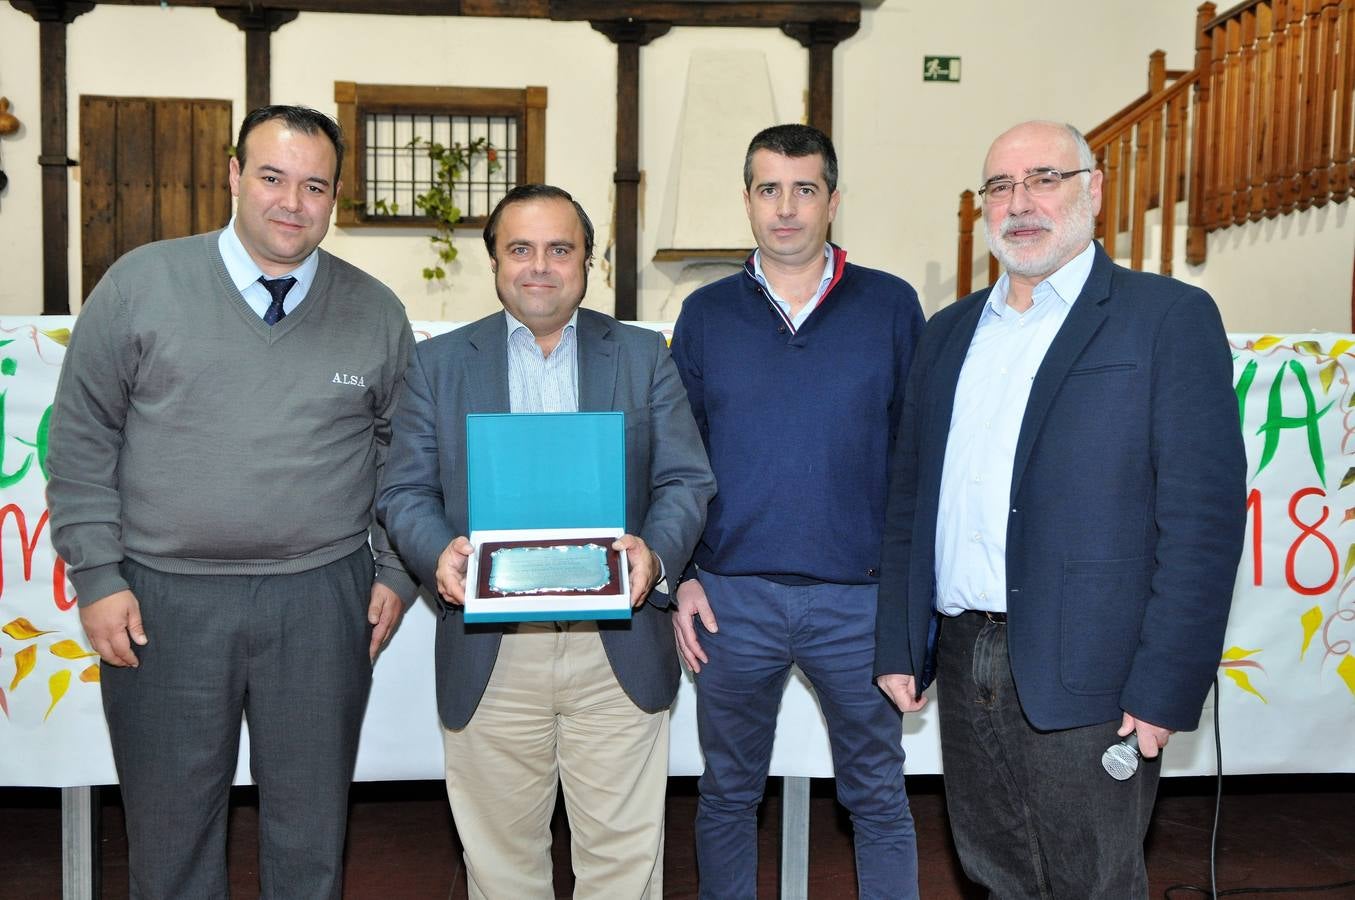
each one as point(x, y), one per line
point(1079, 231)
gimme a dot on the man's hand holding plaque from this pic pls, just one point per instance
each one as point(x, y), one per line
point(645, 568)
point(452, 570)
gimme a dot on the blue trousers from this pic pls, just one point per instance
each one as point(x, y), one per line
point(828, 630)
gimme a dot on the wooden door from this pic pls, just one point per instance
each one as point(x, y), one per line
point(150, 169)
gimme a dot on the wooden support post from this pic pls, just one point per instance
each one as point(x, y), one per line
point(1309, 105)
point(52, 17)
point(629, 36)
point(258, 24)
point(1229, 134)
point(964, 266)
point(1328, 76)
point(1246, 120)
point(1111, 197)
point(1139, 204)
point(1343, 153)
point(1196, 234)
point(1157, 82)
point(820, 39)
point(1170, 180)
point(1263, 141)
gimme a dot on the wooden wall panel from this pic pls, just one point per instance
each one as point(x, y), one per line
point(134, 140)
point(98, 190)
point(212, 140)
point(173, 168)
point(150, 169)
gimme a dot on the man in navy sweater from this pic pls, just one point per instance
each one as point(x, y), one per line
point(795, 369)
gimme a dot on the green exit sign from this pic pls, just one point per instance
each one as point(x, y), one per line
point(941, 68)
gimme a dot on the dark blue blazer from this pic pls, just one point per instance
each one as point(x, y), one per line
point(1127, 505)
point(422, 499)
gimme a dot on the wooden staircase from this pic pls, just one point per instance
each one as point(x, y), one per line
point(1262, 126)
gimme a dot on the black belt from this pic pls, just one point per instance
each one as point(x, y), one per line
point(996, 618)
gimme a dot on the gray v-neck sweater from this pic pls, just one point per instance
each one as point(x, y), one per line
point(193, 438)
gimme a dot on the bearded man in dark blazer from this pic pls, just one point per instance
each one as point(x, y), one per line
point(1067, 504)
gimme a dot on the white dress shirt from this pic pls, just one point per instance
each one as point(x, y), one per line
point(990, 405)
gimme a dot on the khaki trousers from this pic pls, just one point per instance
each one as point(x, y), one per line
point(554, 714)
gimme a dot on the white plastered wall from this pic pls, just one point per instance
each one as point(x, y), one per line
point(575, 63)
point(907, 148)
point(21, 202)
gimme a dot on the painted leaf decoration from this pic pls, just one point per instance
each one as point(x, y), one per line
point(1312, 621)
point(1350, 514)
point(1345, 668)
point(1326, 374)
point(1311, 347)
point(22, 630)
point(1238, 653)
point(1349, 477)
point(69, 649)
point(1243, 682)
point(1350, 560)
point(1242, 664)
point(1340, 347)
point(4, 703)
point(91, 674)
point(57, 686)
point(61, 335)
point(1265, 342)
point(24, 661)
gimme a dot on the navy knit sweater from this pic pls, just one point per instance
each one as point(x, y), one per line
point(799, 426)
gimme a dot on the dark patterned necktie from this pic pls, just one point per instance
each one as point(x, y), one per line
point(278, 287)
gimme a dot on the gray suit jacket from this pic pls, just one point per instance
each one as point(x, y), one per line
point(422, 499)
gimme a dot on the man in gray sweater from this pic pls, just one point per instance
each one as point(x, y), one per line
point(221, 419)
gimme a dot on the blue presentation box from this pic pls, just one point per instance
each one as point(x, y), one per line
point(545, 479)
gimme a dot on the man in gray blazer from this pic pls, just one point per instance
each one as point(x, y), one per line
point(528, 706)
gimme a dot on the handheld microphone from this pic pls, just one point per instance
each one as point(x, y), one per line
point(1121, 760)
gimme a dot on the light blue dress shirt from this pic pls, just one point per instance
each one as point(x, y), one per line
point(813, 303)
point(539, 383)
point(245, 272)
point(990, 404)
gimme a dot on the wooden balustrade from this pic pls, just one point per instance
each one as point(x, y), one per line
point(1263, 125)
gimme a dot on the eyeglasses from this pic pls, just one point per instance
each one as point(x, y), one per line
point(1045, 181)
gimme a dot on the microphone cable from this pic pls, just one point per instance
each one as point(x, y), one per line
point(1213, 890)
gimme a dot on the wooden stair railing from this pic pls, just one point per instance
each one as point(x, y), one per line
point(1268, 129)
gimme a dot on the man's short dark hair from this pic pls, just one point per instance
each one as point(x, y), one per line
point(297, 118)
point(795, 141)
point(525, 192)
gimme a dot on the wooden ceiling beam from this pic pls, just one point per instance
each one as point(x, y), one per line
point(710, 13)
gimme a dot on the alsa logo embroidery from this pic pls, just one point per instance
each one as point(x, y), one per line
point(345, 378)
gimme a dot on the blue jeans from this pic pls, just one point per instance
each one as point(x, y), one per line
point(828, 630)
point(1033, 813)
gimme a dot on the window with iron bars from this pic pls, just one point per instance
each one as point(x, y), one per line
point(390, 129)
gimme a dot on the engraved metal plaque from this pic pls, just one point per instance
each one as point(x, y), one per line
point(548, 569)
point(560, 567)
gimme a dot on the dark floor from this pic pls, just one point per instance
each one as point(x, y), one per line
point(1276, 831)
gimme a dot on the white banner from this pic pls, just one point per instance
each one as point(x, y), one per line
point(1287, 679)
